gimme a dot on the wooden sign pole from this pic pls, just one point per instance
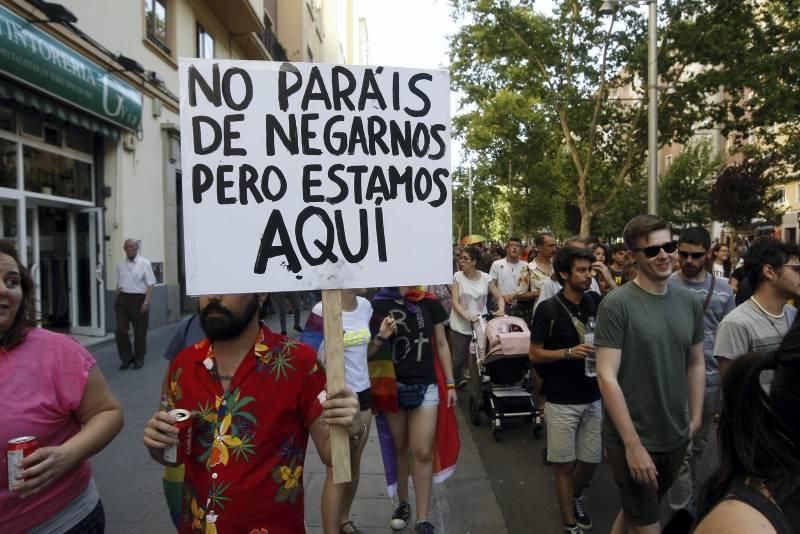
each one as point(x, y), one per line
point(334, 365)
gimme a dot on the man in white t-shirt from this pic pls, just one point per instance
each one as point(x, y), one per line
point(135, 281)
point(506, 273)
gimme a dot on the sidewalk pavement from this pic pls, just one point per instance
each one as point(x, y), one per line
point(130, 482)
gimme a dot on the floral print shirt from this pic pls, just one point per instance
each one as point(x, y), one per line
point(245, 472)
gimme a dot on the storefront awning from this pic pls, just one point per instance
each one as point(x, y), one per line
point(28, 99)
point(35, 59)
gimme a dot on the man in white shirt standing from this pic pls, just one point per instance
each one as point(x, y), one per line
point(506, 273)
point(135, 281)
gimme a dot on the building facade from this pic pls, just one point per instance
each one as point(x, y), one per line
point(90, 137)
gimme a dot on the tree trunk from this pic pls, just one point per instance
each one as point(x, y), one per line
point(510, 196)
point(586, 221)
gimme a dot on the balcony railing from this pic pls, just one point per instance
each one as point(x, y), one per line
point(271, 43)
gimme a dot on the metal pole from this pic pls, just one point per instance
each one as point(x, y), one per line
point(469, 173)
point(652, 111)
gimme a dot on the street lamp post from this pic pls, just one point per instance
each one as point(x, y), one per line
point(608, 8)
point(469, 173)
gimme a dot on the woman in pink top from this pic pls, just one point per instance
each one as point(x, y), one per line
point(50, 388)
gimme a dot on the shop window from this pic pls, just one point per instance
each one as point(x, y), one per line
point(7, 121)
point(52, 135)
point(32, 126)
point(8, 164)
point(205, 43)
point(157, 23)
point(80, 140)
point(8, 221)
point(52, 174)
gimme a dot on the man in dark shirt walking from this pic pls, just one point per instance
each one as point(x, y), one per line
point(561, 339)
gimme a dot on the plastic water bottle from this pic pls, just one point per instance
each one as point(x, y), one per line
point(588, 337)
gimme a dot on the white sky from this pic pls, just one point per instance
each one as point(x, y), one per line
point(414, 34)
point(409, 33)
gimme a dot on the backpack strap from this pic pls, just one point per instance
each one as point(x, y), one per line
point(710, 293)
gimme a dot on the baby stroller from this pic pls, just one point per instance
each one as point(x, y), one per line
point(499, 371)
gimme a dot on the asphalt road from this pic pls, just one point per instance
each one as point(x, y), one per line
point(525, 487)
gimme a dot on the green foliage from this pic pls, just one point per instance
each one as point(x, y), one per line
point(685, 190)
point(554, 109)
point(628, 203)
point(743, 194)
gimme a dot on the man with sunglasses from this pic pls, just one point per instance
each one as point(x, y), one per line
point(718, 301)
point(649, 341)
point(772, 269)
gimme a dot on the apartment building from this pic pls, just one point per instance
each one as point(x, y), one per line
point(90, 137)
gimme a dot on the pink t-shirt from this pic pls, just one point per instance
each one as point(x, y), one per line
point(41, 386)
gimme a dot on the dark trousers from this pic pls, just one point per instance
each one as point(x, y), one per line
point(128, 309)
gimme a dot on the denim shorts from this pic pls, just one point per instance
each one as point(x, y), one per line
point(431, 396)
point(412, 396)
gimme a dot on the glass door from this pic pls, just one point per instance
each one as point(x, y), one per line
point(86, 272)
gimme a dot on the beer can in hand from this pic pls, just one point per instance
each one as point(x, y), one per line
point(174, 454)
point(17, 449)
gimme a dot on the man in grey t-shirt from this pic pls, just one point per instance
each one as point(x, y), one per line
point(693, 246)
point(760, 323)
point(651, 374)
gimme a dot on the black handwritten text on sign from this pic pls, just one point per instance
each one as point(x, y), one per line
point(302, 176)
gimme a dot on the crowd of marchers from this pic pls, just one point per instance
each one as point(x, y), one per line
point(637, 353)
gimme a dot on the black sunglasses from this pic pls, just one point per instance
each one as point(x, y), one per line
point(651, 252)
point(694, 255)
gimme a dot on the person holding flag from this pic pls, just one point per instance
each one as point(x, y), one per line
point(414, 392)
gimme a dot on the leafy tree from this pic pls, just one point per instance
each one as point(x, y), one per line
point(685, 190)
point(743, 193)
point(579, 79)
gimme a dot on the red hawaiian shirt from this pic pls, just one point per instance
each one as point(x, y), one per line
point(248, 443)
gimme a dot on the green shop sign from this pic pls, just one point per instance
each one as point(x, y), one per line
point(37, 59)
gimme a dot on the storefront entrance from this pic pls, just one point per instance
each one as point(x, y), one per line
point(64, 256)
point(47, 206)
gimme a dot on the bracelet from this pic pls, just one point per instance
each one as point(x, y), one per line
point(450, 386)
point(381, 338)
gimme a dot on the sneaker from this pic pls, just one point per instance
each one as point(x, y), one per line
point(680, 494)
point(581, 517)
point(424, 527)
point(298, 328)
point(574, 529)
point(400, 516)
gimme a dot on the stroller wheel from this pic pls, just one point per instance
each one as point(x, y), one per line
point(474, 411)
point(537, 426)
point(496, 429)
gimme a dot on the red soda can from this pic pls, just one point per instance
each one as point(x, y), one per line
point(174, 454)
point(17, 449)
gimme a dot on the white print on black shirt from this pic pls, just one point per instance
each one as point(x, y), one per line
point(402, 339)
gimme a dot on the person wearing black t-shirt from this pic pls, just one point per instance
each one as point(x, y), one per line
point(419, 337)
point(559, 345)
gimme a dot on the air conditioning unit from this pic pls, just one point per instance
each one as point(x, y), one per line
point(129, 141)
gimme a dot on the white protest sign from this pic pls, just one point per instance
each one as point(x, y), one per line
point(301, 176)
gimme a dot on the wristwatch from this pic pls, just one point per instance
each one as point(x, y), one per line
point(567, 354)
point(356, 438)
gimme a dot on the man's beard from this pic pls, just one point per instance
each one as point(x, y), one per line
point(227, 325)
